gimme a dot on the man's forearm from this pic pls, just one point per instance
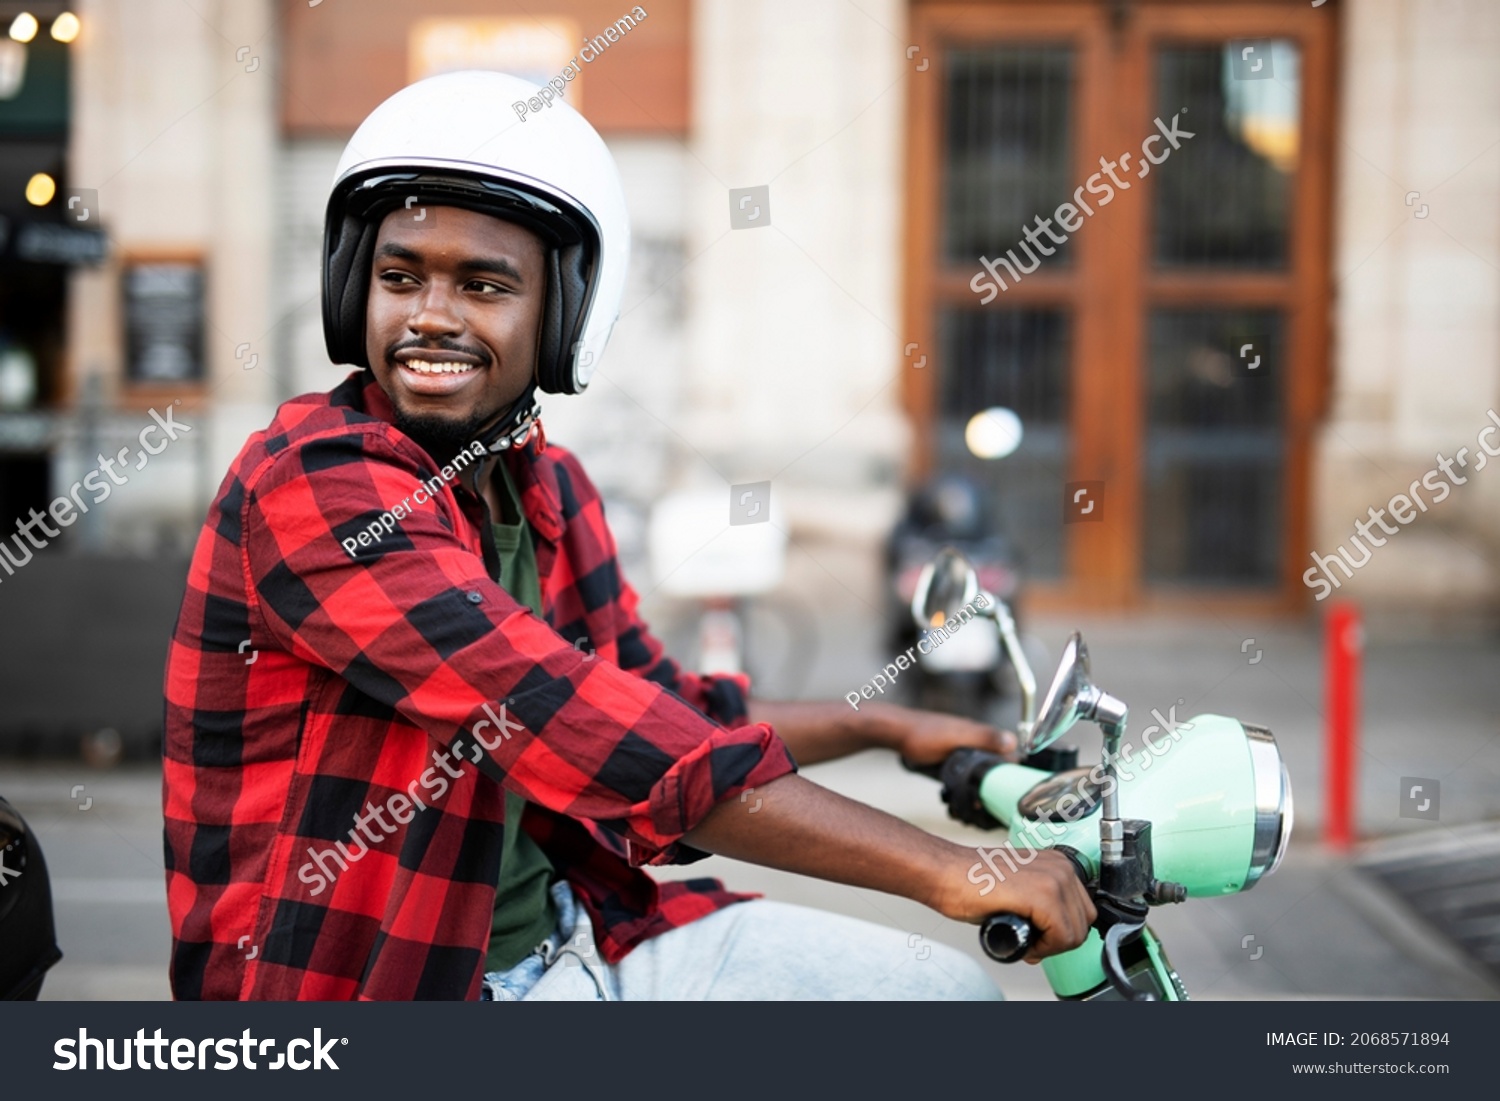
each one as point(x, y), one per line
point(797, 826)
point(825, 731)
point(793, 824)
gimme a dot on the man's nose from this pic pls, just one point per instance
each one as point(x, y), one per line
point(435, 312)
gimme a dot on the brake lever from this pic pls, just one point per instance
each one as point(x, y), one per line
point(1114, 968)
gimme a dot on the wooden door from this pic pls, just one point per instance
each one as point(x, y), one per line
point(1151, 305)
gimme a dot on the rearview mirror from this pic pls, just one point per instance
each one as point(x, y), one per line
point(1071, 697)
point(948, 583)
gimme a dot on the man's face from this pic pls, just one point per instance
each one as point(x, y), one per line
point(451, 325)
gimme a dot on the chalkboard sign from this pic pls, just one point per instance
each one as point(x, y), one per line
point(164, 321)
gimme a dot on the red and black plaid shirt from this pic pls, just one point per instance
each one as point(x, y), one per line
point(362, 670)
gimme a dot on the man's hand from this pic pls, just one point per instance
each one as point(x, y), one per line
point(927, 737)
point(1046, 891)
point(827, 731)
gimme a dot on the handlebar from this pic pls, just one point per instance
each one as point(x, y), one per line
point(1006, 938)
point(1056, 758)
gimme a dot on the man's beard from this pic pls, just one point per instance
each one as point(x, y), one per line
point(442, 437)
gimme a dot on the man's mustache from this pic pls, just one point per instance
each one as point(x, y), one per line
point(437, 346)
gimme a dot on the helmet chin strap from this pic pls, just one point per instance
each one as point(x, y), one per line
point(517, 426)
point(512, 430)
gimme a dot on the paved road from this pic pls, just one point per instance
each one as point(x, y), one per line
point(1430, 711)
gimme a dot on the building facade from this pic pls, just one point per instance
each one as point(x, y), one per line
point(1285, 319)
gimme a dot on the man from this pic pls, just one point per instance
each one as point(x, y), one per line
point(416, 785)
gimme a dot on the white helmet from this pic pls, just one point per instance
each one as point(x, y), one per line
point(454, 140)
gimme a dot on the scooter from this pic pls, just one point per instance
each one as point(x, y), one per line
point(967, 674)
point(1210, 806)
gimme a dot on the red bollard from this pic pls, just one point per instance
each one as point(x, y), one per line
point(1343, 645)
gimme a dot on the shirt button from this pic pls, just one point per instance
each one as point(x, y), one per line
point(476, 598)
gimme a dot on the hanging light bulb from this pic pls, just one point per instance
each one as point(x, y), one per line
point(65, 27)
point(40, 189)
point(23, 27)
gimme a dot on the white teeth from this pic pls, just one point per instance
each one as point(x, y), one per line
point(426, 367)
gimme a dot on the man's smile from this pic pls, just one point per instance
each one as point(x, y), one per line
point(436, 373)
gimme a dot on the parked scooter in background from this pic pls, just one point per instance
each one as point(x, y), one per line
point(1209, 805)
point(967, 674)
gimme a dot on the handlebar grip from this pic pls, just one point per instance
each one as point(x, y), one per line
point(1006, 938)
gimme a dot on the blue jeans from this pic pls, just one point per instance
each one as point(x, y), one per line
point(751, 951)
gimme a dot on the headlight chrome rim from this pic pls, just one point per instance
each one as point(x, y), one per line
point(1273, 804)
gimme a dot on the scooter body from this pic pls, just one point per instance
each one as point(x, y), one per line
point(1203, 810)
point(1195, 787)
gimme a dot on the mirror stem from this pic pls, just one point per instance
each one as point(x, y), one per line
point(1007, 625)
point(1111, 715)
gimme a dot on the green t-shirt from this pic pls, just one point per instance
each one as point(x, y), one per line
point(524, 912)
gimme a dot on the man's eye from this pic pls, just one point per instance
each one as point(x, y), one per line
point(484, 286)
point(396, 277)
